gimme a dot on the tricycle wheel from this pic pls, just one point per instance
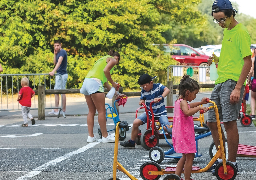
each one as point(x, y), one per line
point(172, 177)
point(231, 171)
point(99, 133)
point(156, 154)
point(150, 140)
point(149, 166)
point(213, 150)
point(246, 121)
point(122, 134)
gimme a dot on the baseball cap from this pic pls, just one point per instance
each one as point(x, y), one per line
point(145, 78)
point(219, 5)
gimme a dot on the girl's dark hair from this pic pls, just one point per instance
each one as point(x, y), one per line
point(187, 83)
point(114, 53)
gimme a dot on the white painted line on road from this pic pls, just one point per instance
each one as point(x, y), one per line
point(7, 148)
point(54, 125)
point(50, 148)
point(246, 132)
point(18, 136)
point(39, 169)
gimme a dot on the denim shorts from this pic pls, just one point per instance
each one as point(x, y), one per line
point(61, 81)
point(163, 119)
point(221, 96)
point(91, 86)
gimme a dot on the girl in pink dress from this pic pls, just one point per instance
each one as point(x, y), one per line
point(183, 125)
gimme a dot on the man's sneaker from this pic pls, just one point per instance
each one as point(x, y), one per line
point(109, 139)
point(63, 113)
point(53, 112)
point(91, 139)
point(253, 117)
point(128, 144)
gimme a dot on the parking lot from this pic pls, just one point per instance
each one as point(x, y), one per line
point(56, 148)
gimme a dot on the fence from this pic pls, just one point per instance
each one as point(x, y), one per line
point(9, 88)
point(174, 74)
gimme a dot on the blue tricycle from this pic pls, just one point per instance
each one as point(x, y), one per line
point(112, 113)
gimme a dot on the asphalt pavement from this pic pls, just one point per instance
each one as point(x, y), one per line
point(56, 148)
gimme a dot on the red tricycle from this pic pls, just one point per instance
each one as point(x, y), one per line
point(154, 130)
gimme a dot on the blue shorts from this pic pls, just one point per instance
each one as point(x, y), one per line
point(61, 81)
point(91, 86)
point(163, 119)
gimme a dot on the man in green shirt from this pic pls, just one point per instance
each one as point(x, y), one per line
point(234, 65)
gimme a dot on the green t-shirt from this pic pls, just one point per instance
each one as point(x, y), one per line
point(235, 46)
point(97, 70)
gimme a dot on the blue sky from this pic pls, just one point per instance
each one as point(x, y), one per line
point(246, 7)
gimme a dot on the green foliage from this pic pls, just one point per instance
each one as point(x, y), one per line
point(88, 29)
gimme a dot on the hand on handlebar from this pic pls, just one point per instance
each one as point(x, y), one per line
point(205, 100)
point(203, 109)
point(141, 101)
point(157, 99)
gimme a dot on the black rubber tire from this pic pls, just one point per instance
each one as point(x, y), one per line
point(149, 166)
point(213, 150)
point(246, 121)
point(122, 134)
point(156, 154)
point(172, 177)
point(147, 142)
point(232, 171)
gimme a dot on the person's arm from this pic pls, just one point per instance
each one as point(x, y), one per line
point(33, 93)
point(111, 62)
point(194, 104)
point(190, 111)
point(235, 94)
point(57, 66)
point(1, 68)
point(106, 84)
point(19, 96)
point(165, 93)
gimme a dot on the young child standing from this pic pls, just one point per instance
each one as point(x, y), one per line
point(183, 125)
point(150, 92)
point(24, 98)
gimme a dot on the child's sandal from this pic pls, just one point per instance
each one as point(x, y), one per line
point(24, 125)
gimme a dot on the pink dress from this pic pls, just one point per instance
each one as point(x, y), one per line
point(183, 134)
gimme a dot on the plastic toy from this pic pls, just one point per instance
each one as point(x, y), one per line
point(116, 164)
point(224, 170)
point(111, 113)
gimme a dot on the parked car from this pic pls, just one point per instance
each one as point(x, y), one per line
point(186, 55)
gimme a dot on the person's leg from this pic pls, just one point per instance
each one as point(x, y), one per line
point(253, 99)
point(64, 82)
point(165, 122)
point(24, 114)
point(233, 139)
point(56, 102)
point(135, 128)
point(63, 102)
point(188, 165)
point(99, 103)
point(91, 114)
point(180, 165)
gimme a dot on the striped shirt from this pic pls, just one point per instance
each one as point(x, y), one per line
point(157, 91)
